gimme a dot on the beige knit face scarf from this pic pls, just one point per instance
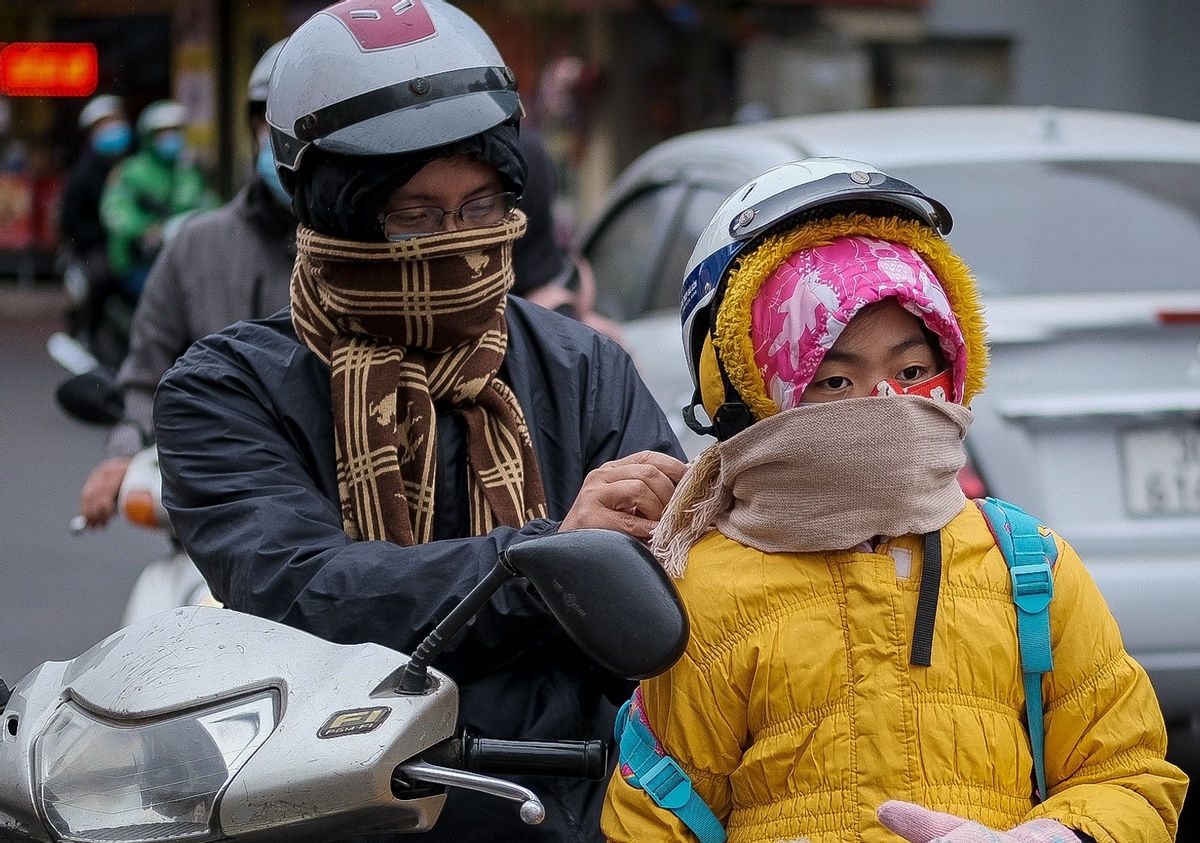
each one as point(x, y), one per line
point(823, 477)
point(405, 327)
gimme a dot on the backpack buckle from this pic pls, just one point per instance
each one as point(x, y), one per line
point(667, 784)
point(1033, 586)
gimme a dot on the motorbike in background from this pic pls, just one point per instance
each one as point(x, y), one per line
point(205, 724)
point(91, 394)
point(99, 313)
point(99, 316)
point(164, 583)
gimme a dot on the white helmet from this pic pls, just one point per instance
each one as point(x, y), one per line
point(161, 114)
point(376, 77)
point(783, 197)
point(98, 108)
point(260, 76)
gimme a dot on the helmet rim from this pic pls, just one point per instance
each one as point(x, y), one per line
point(381, 135)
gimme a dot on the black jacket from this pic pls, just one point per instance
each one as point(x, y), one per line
point(246, 445)
point(79, 210)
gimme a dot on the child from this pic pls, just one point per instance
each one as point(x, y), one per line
point(836, 341)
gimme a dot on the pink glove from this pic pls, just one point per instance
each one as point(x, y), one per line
point(921, 825)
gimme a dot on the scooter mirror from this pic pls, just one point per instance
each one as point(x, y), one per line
point(93, 397)
point(611, 596)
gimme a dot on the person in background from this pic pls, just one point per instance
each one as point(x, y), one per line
point(108, 139)
point(353, 466)
point(147, 189)
point(855, 670)
point(220, 266)
point(546, 272)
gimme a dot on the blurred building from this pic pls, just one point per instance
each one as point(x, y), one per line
point(197, 51)
point(605, 79)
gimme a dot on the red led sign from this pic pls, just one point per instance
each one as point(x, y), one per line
point(48, 69)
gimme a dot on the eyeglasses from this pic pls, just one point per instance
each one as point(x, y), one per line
point(427, 219)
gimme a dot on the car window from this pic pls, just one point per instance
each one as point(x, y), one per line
point(1077, 227)
point(697, 208)
point(625, 249)
point(639, 253)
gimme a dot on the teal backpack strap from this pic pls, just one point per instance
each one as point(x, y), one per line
point(661, 777)
point(1030, 557)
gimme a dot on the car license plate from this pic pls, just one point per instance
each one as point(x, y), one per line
point(1162, 471)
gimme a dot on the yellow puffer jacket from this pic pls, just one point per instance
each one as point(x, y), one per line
point(796, 712)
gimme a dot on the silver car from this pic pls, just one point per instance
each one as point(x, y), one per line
point(1083, 229)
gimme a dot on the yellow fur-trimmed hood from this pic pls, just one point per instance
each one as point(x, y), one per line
point(732, 339)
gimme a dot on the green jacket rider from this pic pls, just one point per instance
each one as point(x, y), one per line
point(143, 192)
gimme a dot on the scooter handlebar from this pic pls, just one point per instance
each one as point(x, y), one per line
point(575, 759)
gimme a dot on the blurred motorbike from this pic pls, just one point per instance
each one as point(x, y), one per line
point(202, 724)
point(98, 314)
point(173, 580)
point(91, 394)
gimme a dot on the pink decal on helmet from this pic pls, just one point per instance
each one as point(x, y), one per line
point(806, 302)
point(379, 24)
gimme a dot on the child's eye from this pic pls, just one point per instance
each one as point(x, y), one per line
point(911, 373)
point(834, 383)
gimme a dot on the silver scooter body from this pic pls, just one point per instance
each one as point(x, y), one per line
point(321, 730)
point(204, 724)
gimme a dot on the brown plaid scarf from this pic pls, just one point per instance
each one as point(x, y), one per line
point(408, 328)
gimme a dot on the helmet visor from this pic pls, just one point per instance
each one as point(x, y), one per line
point(420, 92)
point(858, 186)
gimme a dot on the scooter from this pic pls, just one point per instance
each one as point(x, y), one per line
point(98, 314)
point(91, 394)
point(205, 724)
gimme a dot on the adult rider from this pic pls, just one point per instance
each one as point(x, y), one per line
point(352, 467)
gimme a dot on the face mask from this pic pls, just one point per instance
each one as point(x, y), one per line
point(112, 140)
point(265, 167)
point(168, 145)
point(936, 387)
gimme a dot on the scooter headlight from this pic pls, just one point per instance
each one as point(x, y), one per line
point(103, 781)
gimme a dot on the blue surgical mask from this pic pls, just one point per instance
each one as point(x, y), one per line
point(168, 145)
point(265, 166)
point(113, 140)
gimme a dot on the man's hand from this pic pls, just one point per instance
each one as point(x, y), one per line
point(627, 495)
point(98, 500)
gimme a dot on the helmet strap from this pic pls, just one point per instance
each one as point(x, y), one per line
point(730, 419)
point(694, 424)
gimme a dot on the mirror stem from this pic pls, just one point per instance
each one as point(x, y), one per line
point(416, 671)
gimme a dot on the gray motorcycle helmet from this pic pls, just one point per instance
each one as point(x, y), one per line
point(374, 77)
